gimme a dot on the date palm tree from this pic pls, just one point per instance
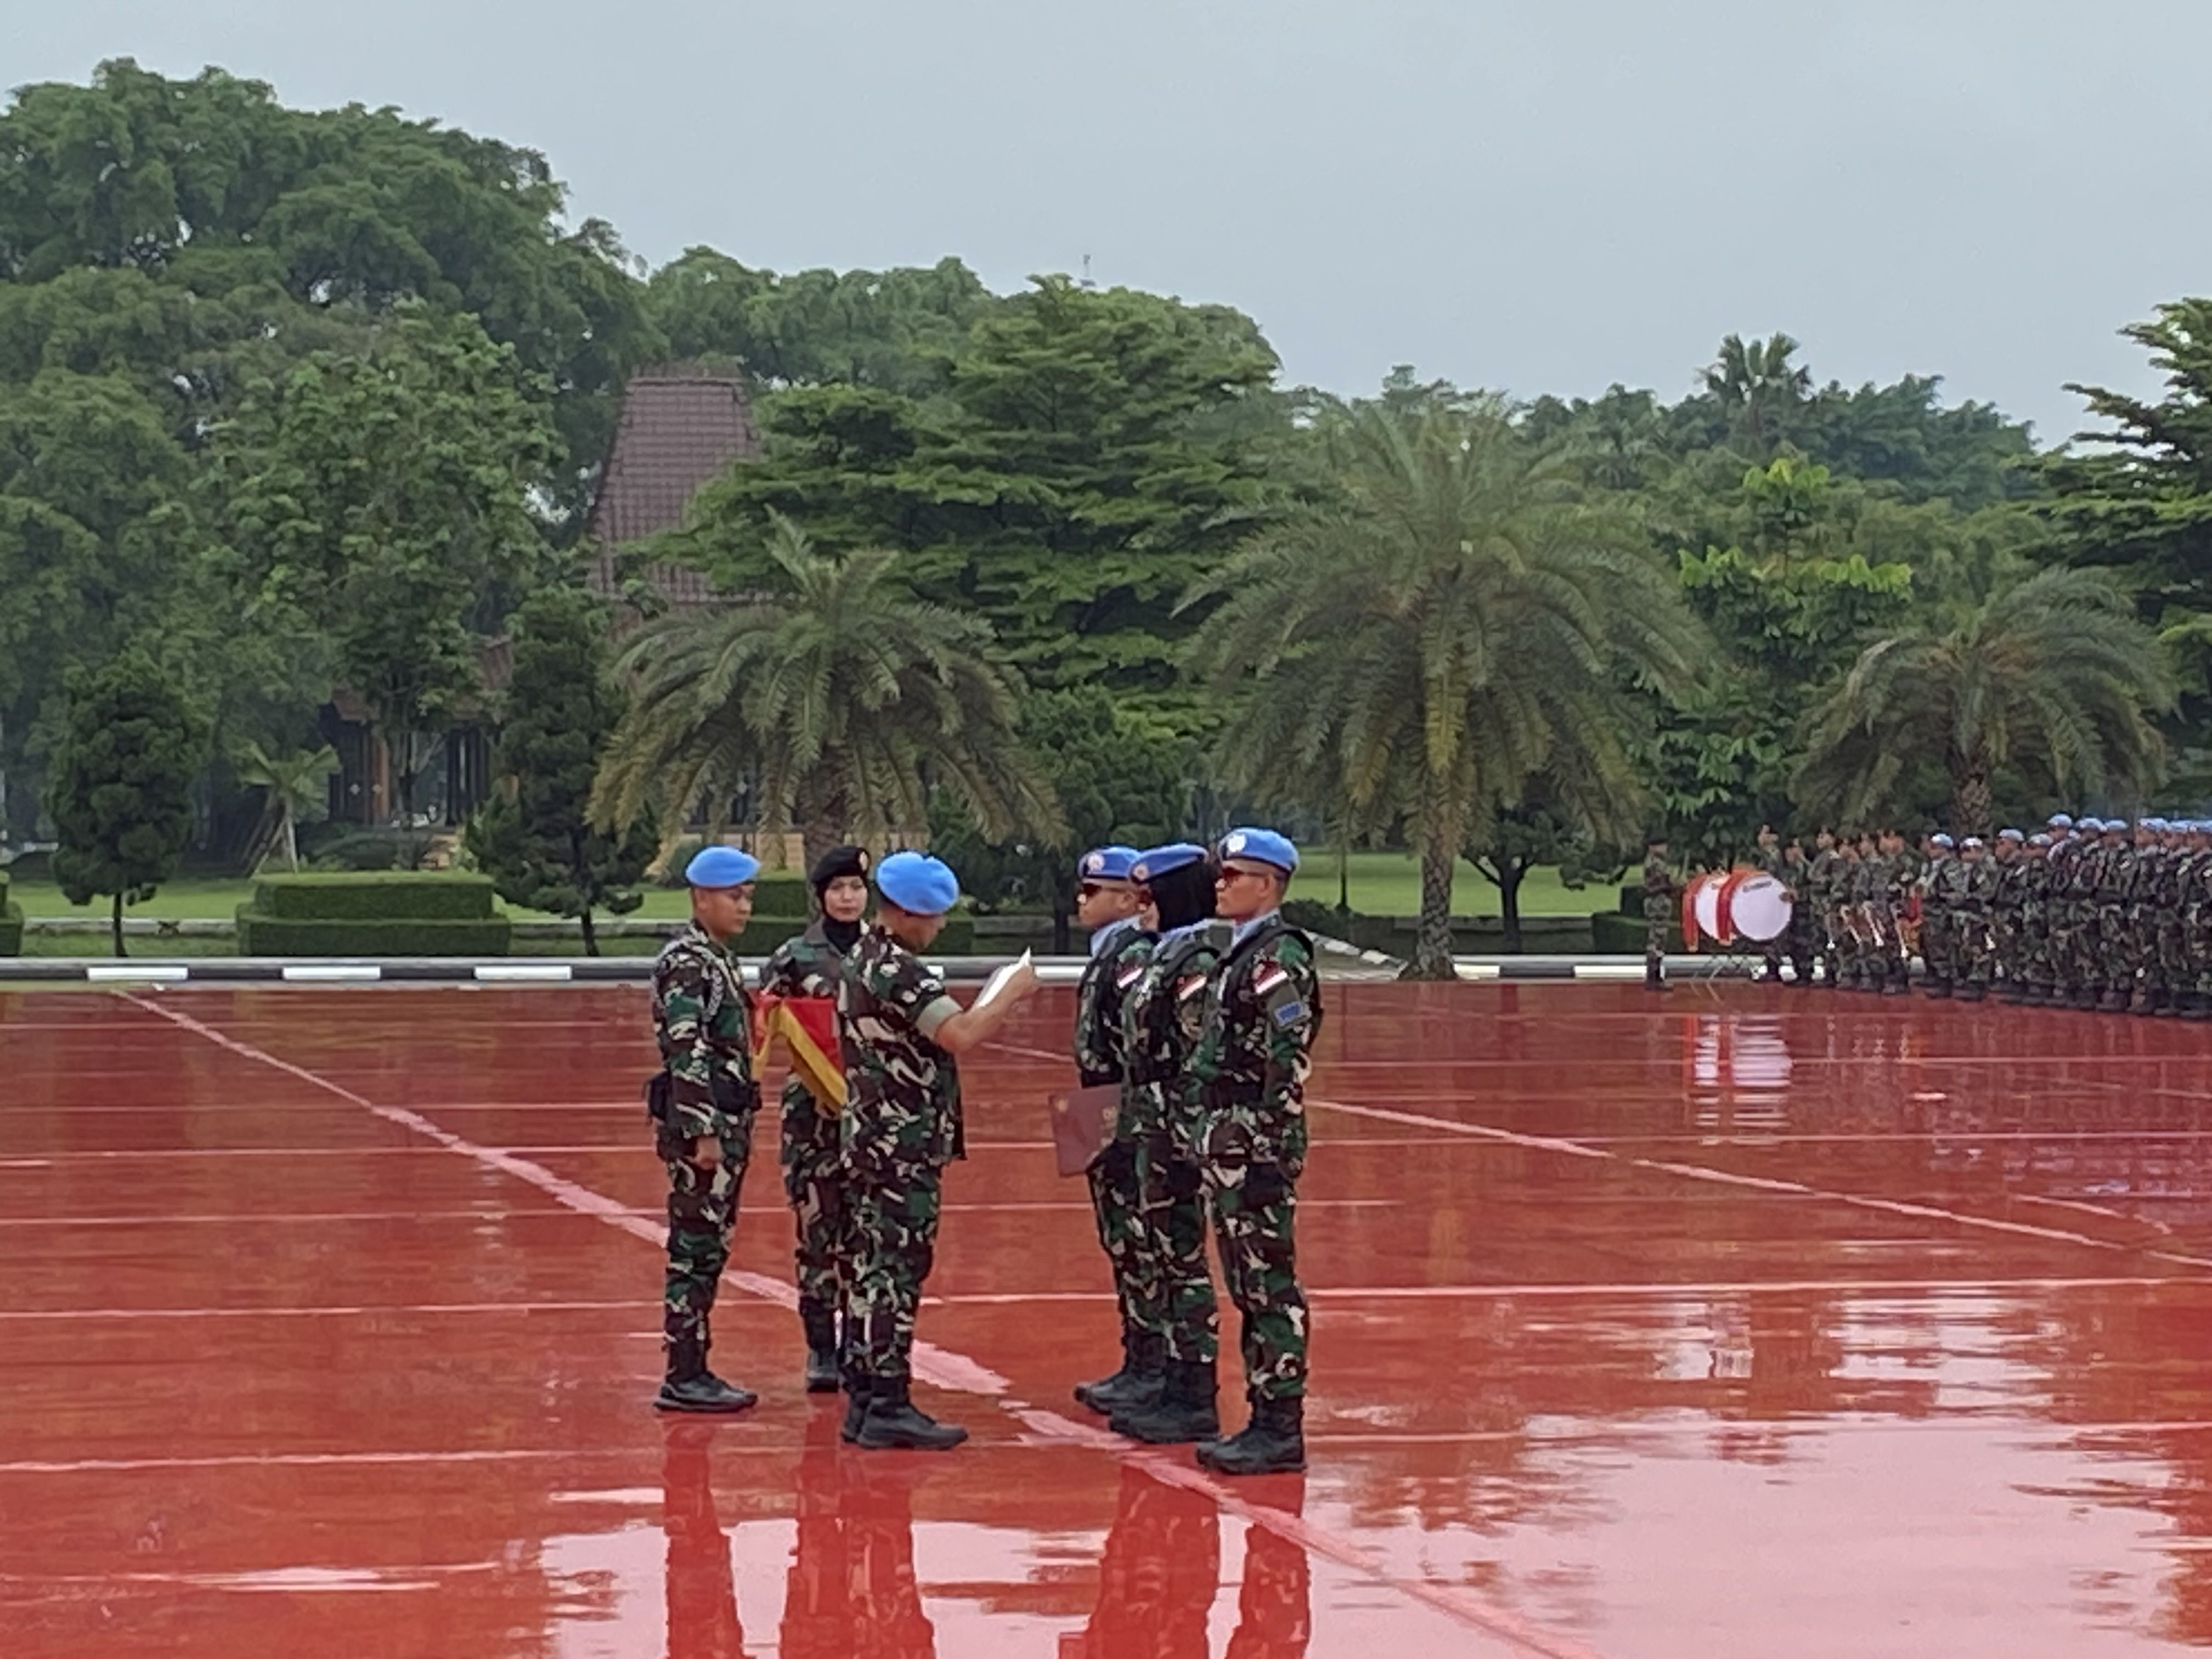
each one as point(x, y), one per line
point(2051, 675)
point(1458, 624)
point(833, 695)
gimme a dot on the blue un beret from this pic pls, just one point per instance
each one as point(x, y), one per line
point(1255, 846)
point(2089, 824)
point(720, 866)
point(1942, 840)
point(1108, 863)
point(918, 882)
point(2010, 834)
point(1158, 860)
point(2060, 821)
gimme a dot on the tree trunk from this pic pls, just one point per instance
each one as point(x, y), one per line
point(1432, 942)
point(591, 934)
point(115, 925)
point(1344, 875)
point(1970, 801)
point(1509, 874)
point(291, 843)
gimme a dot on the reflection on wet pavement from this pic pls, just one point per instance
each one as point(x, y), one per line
point(1761, 1322)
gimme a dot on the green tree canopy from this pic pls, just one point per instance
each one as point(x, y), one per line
point(534, 837)
point(1460, 625)
point(2051, 676)
point(123, 775)
point(833, 699)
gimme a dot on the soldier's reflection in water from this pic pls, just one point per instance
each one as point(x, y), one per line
point(702, 1596)
point(1163, 1564)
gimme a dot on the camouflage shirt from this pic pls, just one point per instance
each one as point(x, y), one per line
point(1118, 956)
point(1263, 1010)
point(703, 1020)
point(808, 964)
point(902, 1091)
point(1658, 890)
point(1161, 1020)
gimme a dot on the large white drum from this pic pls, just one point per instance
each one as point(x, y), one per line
point(1705, 906)
point(1756, 906)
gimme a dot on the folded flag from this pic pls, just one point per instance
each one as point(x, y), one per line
point(808, 1026)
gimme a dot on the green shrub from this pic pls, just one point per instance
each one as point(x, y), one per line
point(264, 935)
point(1613, 934)
point(391, 895)
point(373, 850)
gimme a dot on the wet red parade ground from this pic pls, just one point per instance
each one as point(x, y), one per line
point(1753, 1322)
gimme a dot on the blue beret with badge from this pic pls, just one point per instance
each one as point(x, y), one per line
point(918, 883)
point(2059, 821)
point(720, 866)
point(1108, 863)
point(1257, 846)
point(2010, 834)
point(1158, 860)
point(1942, 840)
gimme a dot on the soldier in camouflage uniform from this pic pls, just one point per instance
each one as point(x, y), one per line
point(2034, 903)
point(1901, 876)
point(1263, 1012)
point(1803, 935)
point(1865, 877)
point(2008, 916)
point(2158, 896)
point(1971, 919)
point(810, 965)
point(1162, 1017)
point(902, 1034)
point(2116, 933)
point(1660, 896)
point(1942, 880)
point(1108, 903)
point(1823, 881)
point(702, 1101)
point(1766, 859)
point(2197, 922)
point(2070, 845)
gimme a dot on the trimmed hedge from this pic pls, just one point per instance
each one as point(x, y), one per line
point(260, 935)
point(374, 895)
point(1616, 935)
point(11, 922)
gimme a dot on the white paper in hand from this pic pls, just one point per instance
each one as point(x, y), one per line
point(996, 987)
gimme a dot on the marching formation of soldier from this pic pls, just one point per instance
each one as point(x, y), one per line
point(2098, 914)
point(1196, 1012)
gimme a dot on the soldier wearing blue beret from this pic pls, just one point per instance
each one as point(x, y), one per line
point(702, 1101)
point(1110, 904)
point(1264, 1011)
point(1171, 1291)
point(902, 1035)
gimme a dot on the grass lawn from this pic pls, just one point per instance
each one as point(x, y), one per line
point(1382, 885)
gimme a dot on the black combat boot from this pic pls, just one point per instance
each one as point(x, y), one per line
point(2085, 997)
point(819, 1320)
point(1972, 992)
point(1936, 989)
point(1899, 984)
point(2162, 1003)
point(2195, 1004)
point(1272, 1442)
point(690, 1387)
point(894, 1423)
point(1654, 978)
point(2113, 1002)
point(859, 1394)
point(1773, 976)
point(1183, 1412)
point(1144, 1363)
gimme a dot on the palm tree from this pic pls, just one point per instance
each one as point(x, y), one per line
point(2051, 674)
point(1757, 385)
point(294, 783)
point(834, 696)
point(1457, 625)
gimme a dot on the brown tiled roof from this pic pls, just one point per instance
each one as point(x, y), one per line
point(681, 425)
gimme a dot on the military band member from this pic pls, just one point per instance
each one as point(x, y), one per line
point(1661, 895)
point(902, 1035)
point(702, 1103)
point(1109, 904)
point(1766, 858)
point(1803, 933)
point(1823, 879)
point(1941, 884)
point(1263, 1012)
point(811, 965)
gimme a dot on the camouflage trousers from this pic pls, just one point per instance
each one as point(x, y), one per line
point(1938, 947)
point(703, 1207)
point(814, 1181)
point(2115, 949)
point(1117, 1206)
point(2173, 974)
point(1656, 919)
point(1255, 1208)
point(1157, 1576)
point(1975, 957)
point(893, 1217)
point(1802, 941)
point(700, 1586)
point(1172, 1290)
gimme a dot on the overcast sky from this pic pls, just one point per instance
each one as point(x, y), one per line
point(1534, 195)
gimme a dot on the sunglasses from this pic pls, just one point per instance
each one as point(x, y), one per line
point(1230, 874)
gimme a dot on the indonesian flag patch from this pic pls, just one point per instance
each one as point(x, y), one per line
point(1273, 974)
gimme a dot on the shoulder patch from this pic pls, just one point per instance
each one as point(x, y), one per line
point(1270, 975)
point(1290, 1013)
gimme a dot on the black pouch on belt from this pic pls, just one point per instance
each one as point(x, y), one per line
point(656, 1097)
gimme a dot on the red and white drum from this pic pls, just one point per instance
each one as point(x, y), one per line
point(1756, 905)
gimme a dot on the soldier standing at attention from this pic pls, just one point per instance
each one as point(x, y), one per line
point(1971, 919)
point(1766, 858)
point(1822, 880)
point(1162, 1018)
point(811, 965)
point(902, 1034)
point(702, 1105)
point(1804, 931)
point(2115, 951)
point(1108, 903)
point(1940, 884)
point(1263, 1010)
point(1660, 897)
point(2007, 908)
point(1900, 873)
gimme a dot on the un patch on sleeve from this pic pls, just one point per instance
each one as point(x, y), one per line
point(1290, 1013)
